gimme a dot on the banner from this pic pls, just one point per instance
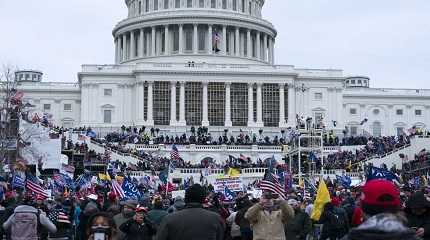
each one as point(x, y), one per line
point(234, 184)
point(179, 193)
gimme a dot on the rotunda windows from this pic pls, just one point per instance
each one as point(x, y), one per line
point(376, 111)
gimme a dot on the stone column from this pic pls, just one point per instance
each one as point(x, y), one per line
point(264, 47)
point(166, 40)
point(153, 41)
point(173, 103)
point(251, 122)
point(248, 43)
point(291, 105)
point(181, 39)
point(259, 122)
point(195, 39)
point(270, 50)
point(141, 43)
point(132, 45)
point(182, 121)
point(224, 40)
point(124, 47)
point(210, 39)
point(236, 38)
point(227, 121)
point(205, 119)
point(258, 46)
point(149, 115)
point(282, 122)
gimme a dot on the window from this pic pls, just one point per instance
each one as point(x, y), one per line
point(155, 5)
point(201, 3)
point(234, 5)
point(352, 81)
point(193, 103)
point(353, 111)
point(224, 4)
point(188, 34)
point(399, 131)
point(243, 5)
point(270, 105)
point(161, 103)
point(140, 7)
point(376, 111)
point(175, 40)
point(202, 39)
point(354, 130)
point(166, 4)
point(399, 111)
point(377, 129)
point(250, 8)
point(239, 104)
point(189, 3)
point(108, 92)
point(67, 107)
point(27, 76)
point(418, 112)
point(213, 3)
point(146, 5)
point(46, 107)
point(177, 3)
point(107, 116)
point(34, 77)
point(216, 104)
point(318, 96)
point(359, 82)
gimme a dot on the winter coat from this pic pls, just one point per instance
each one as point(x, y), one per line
point(298, 227)
point(191, 223)
point(136, 231)
point(269, 225)
point(383, 226)
point(156, 216)
point(418, 200)
point(330, 229)
point(119, 220)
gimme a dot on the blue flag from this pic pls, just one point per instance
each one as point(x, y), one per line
point(18, 181)
point(229, 195)
point(345, 181)
point(130, 189)
point(380, 173)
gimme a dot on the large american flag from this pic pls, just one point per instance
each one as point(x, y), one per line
point(174, 154)
point(270, 181)
point(33, 185)
point(117, 189)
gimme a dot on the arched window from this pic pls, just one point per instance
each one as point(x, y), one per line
point(166, 4)
point(234, 5)
point(213, 3)
point(224, 4)
point(155, 5)
point(377, 129)
point(201, 3)
point(146, 5)
point(140, 7)
point(189, 3)
point(243, 5)
point(177, 3)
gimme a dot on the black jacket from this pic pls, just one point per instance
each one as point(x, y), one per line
point(382, 227)
point(136, 231)
point(418, 200)
point(298, 227)
point(192, 223)
point(333, 230)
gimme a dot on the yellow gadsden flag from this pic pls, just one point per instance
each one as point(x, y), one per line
point(323, 197)
point(233, 172)
point(105, 177)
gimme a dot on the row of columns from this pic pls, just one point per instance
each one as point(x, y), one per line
point(205, 120)
point(125, 43)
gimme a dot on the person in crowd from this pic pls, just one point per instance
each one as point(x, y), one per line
point(139, 227)
point(156, 215)
point(24, 222)
point(243, 204)
point(178, 205)
point(126, 214)
point(300, 226)
point(335, 222)
point(418, 214)
point(90, 207)
point(269, 216)
point(193, 222)
point(234, 228)
point(61, 220)
point(113, 207)
point(101, 226)
point(381, 205)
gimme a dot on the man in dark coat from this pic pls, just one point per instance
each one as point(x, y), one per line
point(299, 226)
point(418, 214)
point(139, 227)
point(193, 222)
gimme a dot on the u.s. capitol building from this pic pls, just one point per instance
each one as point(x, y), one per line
point(181, 63)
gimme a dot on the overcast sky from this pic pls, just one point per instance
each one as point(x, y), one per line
point(387, 40)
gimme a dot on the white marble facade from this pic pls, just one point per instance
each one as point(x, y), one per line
point(211, 62)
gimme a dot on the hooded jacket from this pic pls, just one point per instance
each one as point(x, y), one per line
point(43, 219)
point(418, 200)
point(383, 226)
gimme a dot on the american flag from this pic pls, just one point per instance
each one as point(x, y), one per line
point(271, 183)
point(174, 154)
point(59, 216)
point(32, 184)
point(117, 189)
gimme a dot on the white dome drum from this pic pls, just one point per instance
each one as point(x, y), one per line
point(211, 31)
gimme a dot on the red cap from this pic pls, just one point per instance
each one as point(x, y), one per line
point(141, 209)
point(381, 193)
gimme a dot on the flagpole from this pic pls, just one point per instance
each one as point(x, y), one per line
point(167, 180)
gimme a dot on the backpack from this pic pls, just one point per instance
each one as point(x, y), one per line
point(337, 221)
point(25, 226)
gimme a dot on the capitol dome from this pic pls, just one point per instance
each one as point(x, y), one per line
point(211, 31)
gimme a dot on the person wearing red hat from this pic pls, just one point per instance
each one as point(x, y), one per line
point(139, 227)
point(380, 202)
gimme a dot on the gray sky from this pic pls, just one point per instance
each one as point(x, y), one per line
point(387, 40)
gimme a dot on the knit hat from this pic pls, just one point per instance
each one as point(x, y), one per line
point(379, 196)
point(195, 194)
